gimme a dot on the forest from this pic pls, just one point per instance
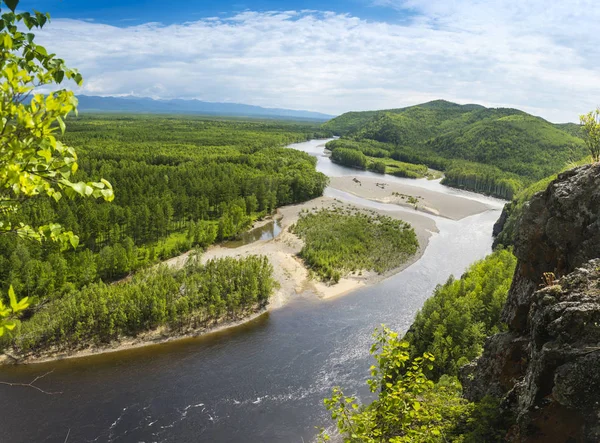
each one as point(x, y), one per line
point(418, 394)
point(178, 182)
point(342, 240)
point(368, 154)
point(194, 297)
point(495, 151)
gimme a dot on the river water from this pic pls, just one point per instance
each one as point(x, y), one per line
point(263, 381)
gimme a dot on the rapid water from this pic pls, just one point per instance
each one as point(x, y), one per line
point(263, 381)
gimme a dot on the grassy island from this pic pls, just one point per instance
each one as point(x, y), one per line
point(342, 240)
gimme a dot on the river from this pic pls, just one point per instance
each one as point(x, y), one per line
point(263, 381)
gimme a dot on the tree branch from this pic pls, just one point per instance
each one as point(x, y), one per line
point(31, 384)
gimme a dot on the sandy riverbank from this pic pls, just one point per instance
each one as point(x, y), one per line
point(289, 270)
point(425, 200)
point(155, 337)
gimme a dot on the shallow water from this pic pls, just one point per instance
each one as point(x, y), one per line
point(263, 381)
point(266, 232)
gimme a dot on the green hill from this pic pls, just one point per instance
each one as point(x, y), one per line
point(491, 150)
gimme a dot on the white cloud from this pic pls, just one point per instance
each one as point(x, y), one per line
point(537, 56)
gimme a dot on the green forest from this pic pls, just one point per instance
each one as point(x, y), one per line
point(341, 240)
point(496, 151)
point(179, 183)
point(196, 296)
point(369, 154)
point(418, 394)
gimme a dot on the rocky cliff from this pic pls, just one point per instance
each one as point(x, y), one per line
point(546, 368)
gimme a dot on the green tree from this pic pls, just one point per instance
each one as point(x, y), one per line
point(32, 161)
point(409, 406)
point(590, 124)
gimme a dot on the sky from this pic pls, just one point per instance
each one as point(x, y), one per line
point(335, 56)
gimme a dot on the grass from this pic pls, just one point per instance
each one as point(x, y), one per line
point(343, 240)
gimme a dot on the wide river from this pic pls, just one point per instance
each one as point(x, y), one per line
point(263, 381)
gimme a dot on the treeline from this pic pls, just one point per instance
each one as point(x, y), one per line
point(454, 323)
point(349, 157)
point(483, 179)
point(402, 162)
point(194, 297)
point(179, 182)
point(341, 240)
point(418, 394)
point(374, 156)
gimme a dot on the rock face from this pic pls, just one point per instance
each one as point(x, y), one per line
point(547, 366)
point(499, 225)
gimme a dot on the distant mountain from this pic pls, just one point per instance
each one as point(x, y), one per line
point(131, 104)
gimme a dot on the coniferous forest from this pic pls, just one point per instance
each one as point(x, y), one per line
point(179, 183)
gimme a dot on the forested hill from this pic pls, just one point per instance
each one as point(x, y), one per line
point(492, 150)
point(146, 105)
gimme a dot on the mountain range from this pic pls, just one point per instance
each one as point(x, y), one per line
point(133, 104)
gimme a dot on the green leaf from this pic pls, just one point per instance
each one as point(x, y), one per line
point(23, 304)
point(61, 123)
point(41, 50)
point(13, 298)
point(12, 4)
point(74, 240)
point(10, 324)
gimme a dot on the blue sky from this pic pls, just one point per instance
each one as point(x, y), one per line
point(335, 56)
point(127, 12)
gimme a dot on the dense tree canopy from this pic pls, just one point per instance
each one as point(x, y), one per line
point(32, 161)
point(179, 182)
point(418, 395)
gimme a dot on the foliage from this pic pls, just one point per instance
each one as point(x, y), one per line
point(32, 161)
point(494, 151)
point(590, 125)
point(196, 296)
point(377, 157)
point(180, 182)
point(338, 241)
point(482, 178)
point(454, 323)
point(7, 313)
point(409, 406)
point(448, 332)
point(349, 157)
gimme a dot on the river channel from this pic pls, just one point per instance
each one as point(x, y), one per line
point(263, 381)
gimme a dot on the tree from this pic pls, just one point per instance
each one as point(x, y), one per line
point(590, 124)
point(32, 161)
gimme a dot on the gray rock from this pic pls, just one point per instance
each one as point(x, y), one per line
point(546, 368)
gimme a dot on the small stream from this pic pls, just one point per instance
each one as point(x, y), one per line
point(263, 381)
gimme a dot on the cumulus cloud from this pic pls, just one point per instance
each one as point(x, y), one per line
point(532, 55)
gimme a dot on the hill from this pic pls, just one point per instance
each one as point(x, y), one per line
point(146, 105)
point(491, 150)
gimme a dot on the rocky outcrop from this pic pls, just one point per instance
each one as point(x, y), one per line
point(499, 225)
point(547, 366)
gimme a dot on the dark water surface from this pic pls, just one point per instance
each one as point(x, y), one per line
point(263, 381)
